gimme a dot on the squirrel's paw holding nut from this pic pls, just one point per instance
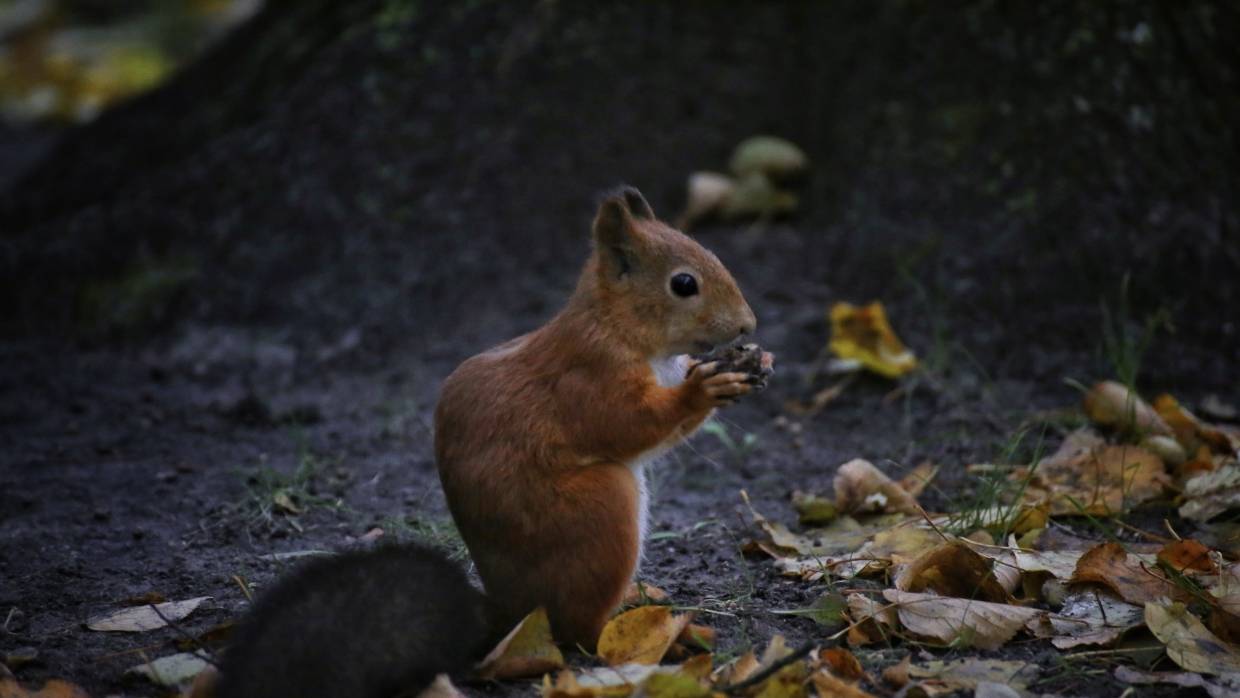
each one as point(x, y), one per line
point(714, 388)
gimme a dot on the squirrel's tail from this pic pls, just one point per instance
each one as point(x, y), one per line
point(375, 623)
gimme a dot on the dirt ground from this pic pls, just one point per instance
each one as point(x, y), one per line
point(257, 276)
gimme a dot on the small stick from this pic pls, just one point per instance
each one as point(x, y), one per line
point(766, 673)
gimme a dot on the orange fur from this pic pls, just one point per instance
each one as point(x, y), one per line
point(537, 439)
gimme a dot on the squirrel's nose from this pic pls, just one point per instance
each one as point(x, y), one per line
point(749, 323)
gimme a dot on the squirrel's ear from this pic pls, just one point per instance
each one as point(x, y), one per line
point(614, 236)
point(637, 203)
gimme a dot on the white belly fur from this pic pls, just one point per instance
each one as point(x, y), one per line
point(668, 372)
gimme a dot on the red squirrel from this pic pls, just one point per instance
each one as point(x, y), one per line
point(541, 441)
point(540, 444)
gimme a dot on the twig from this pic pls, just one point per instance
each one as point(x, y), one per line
point(766, 673)
point(203, 651)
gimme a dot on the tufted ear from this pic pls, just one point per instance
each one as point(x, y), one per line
point(615, 237)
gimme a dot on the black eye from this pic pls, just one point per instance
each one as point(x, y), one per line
point(684, 285)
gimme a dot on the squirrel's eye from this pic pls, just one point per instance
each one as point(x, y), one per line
point(684, 285)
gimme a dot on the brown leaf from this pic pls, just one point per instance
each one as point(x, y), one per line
point(527, 650)
point(832, 686)
point(950, 620)
point(700, 637)
point(952, 569)
point(1100, 481)
point(640, 636)
point(917, 479)
point(1091, 618)
point(966, 674)
point(861, 487)
point(897, 674)
point(640, 593)
point(1111, 566)
point(842, 663)
point(54, 688)
point(1187, 556)
point(1190, 431)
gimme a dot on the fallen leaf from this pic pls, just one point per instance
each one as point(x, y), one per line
point(872, 621)
point(952, 569)
point(1091, 618)
point(143, 618)
point(1190, 431)
point(863, 334)
point(966, 674)
point(1100, 481)
point(916, 480)
point(640, 636)
point(1113, 405)
point(1110, 565)
point(1209, 494)
point(640, 594)
point(54, 688)
point(1187, 556)
point(441, 687)
point(861, 487)
point(842, 663)
point(1189, 643)
point(1223, 687)
point(697, 636)
point(788, 682)
point(813, 510)
point(527, 650)
point(978, 624)
point(737, 670)
point(834, 686)
point(897, 674)
point(173, 670)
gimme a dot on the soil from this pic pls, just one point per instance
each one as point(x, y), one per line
point(255, 278)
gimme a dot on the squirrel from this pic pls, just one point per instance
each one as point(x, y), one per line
point(541, 444)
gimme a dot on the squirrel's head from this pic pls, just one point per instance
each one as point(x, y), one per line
point(668, 293)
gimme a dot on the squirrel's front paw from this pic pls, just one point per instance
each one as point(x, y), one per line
point(710, 388)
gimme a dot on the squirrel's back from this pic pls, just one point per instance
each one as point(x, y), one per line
point(361, 624)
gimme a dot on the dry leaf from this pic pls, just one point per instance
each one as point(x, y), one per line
point(1189, 643)
point(1190, 431)
point(1111, 404)
point(640, 593)
point(173, 670)
point(737, 670)
point(966, 674)
point(872, 621)
point(842, 663)
point(863, 334)
point(1223, 687)
point(834, 686)
point(1187, 556)
point(1101, 481)
point(861, 487)
point(788, 682)
point(952, 569)
point(1111, 566)
point(641, 635)
point(1091, 618)
point(441, 687)
point(1209, 494)
point(54, 688)
point(142, 618)
point(917, 479)
point(949, 620)
point(697, 636)
point(527, 650)
point(897, 674)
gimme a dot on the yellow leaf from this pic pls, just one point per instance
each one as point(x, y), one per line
point(55, 688)
point(863, 334)
point(640, 636)
point(528, 650)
